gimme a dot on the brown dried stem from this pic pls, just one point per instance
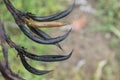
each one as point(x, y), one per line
point(5, 70)
point(38, 24)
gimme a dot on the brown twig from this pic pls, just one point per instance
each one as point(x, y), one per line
point(4, 66)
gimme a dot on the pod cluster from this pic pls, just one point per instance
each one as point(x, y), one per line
point(30, 25)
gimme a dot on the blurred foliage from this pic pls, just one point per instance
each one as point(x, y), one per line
point(38, 7)
point(109, 14)
point(111, 70)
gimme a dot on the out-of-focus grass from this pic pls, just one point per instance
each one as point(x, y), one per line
point(38, 7)
point(109, 14)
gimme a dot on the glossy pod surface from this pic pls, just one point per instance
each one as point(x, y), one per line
point(29, 24)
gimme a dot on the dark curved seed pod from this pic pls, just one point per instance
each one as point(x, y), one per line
point(11, 8)
point(52, 17)
point(43, 35)
point(47, 58)
point(30, 68)
point(29, 34)
point(38, 39)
